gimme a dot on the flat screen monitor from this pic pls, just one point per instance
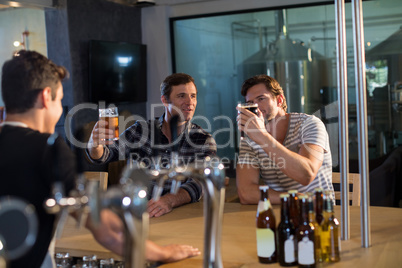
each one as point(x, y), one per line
point(117, 72)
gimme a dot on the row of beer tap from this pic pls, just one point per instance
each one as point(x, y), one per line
point(129, 200)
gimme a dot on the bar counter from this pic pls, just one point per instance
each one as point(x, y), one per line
point(185, 225)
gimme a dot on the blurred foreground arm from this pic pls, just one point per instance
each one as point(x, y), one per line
point(110, 234)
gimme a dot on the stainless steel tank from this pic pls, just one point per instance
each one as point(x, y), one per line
point(305, 75)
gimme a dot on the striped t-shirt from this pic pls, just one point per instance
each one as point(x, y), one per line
point(302, 129)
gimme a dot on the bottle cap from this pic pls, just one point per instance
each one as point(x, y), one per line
point(327, 192)
point(303, 197)
point(89, 258)
point(284, 195)
point(318, 190)
point(263, 187)
point(293, 191)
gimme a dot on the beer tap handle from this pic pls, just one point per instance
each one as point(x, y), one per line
point(81, 193)
point(94, 200)
point(79, 153)
point(158, 189)
point(175, 186)
point(61, 222)
point(157, 138)
point(174, 134)
point(82, 217)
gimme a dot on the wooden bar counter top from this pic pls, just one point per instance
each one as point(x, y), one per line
point(185, 225)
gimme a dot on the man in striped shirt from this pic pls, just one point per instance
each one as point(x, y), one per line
point(285, 150)
point(179, 96)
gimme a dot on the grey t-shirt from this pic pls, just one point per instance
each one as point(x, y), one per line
point(302, 129)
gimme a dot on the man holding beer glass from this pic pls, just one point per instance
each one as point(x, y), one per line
point(32, 92)
point(179, 97)
point(289, 150)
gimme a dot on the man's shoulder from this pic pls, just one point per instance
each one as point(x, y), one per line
point(24, 134)
point(303, 119)
point(301, 116)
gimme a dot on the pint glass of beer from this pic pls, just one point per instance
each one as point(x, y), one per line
point(111, 115)
point(253, 107)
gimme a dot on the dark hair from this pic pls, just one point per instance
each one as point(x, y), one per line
point(270, 83)
point(24, 76)
point(175, 80)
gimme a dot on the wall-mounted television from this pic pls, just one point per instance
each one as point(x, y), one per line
point(117, 72)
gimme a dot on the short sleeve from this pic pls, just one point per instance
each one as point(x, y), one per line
point(314, 132)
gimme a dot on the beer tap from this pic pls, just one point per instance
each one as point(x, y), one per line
point(211, 175)
point(129, 201)
point(212, 178)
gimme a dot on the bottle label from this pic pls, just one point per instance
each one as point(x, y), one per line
point(325, 239)
point(290, 250)
point(306, 252)
point(263, 206)
point(265, 242)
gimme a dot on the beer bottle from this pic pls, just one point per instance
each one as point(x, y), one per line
point(317, 238)
point(305, 237)
point(318, 205)
point(294, 208)
point(324, 230)
point(286, 235)
point(266, 228)
point(330, 228)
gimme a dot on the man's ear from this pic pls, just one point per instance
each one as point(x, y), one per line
point(164, 101)
point(46, 96)
point(279, 100)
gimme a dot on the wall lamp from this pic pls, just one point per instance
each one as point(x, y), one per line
point(24, 42)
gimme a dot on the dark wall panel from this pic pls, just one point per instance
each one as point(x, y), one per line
point(69, 29)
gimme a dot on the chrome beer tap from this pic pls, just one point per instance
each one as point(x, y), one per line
point(129, 201)
point(212, 178)
point(211, 175)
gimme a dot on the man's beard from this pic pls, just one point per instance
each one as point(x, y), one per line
point(268, 118)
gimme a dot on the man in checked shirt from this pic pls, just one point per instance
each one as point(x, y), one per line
point(179, 97)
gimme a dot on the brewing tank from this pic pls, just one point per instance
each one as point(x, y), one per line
point(305, 75)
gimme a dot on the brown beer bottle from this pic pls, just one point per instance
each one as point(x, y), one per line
point(317, 238)
point(318, 205)
point(294, 208)
point(266, 228)
point(286, 235)
point(305, 237)
point(330, 227)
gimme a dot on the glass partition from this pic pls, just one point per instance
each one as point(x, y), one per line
point(296, 46)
